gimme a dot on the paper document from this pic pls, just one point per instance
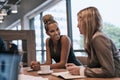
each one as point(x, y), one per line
point(67, 75)
point(28, 77)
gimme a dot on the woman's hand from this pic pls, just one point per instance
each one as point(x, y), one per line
point(35, 65)
point(73, 69)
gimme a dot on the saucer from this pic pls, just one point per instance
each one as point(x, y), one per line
point(29, 69)
point(40, 72)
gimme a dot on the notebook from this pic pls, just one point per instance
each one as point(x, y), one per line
point(67, 75)
point(9, 66)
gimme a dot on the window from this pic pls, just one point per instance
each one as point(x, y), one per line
point(17, 42)
point(59, 13)
point(110, 16)
point(17, 27)
point(108, 12)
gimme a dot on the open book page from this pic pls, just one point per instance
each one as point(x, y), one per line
point(28, 77)
point(67, 75)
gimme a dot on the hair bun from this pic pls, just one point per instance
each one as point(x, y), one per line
point(46, 18)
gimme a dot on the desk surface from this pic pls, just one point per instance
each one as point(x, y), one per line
point(51, 77)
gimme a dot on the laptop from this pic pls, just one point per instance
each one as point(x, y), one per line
point(9, 66)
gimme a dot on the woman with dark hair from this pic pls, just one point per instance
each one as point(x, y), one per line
point(58, 47)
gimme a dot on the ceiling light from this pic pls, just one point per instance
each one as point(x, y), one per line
point(1, 21)
point(3, 12)
point(1, 17)
point(14, 9)
point(2, 0)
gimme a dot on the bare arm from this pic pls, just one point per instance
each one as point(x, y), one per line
point(34, 64)
point(48, 56)
point(65, 48)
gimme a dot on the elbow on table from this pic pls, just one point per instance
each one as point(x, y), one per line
point(107, 74)
point(110, 74)
point(62, 64)
point(57, 66)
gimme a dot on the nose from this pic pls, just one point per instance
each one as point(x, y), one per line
point(56, 32)
point(77, 26)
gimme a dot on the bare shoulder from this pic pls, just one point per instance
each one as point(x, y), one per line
point(65, 38)
point(47, 40)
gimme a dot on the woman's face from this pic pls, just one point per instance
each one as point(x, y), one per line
point(53, 31)
point(79, 25)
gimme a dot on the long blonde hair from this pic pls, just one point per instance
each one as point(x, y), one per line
point(91, 22)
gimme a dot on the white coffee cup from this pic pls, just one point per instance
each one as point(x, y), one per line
point(45, 68)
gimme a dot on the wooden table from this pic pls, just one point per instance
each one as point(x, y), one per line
point(51, 77)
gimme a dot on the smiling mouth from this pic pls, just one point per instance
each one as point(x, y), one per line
point(57, 36)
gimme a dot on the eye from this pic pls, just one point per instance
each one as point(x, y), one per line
point(51, 31)
point(57, 29)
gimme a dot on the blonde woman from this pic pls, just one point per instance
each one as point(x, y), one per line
point(103, 57)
